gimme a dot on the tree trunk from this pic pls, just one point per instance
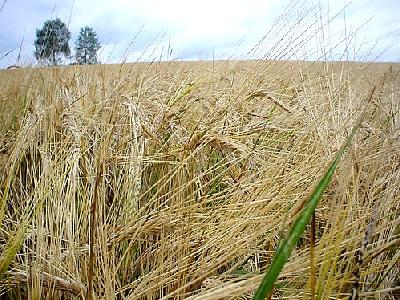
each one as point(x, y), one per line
point(54, 59)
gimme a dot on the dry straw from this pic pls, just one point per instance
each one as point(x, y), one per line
point(180, 180)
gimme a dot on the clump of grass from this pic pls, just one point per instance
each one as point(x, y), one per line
point(297, 229)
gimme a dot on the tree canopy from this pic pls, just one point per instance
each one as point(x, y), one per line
point(86, 46)
point(52, 42)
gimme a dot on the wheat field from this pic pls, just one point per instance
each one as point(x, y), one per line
point(178, 180)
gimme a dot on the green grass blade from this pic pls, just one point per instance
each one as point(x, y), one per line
point(298, 227)
point(12, 248)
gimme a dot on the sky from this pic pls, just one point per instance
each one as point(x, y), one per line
point(210, 29)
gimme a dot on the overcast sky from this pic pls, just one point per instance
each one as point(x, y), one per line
point(190, 30)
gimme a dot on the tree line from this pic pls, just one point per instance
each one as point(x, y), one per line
point(52, 44)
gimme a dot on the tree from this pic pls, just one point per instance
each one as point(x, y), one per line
point(52, 41)
point(87, 46)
